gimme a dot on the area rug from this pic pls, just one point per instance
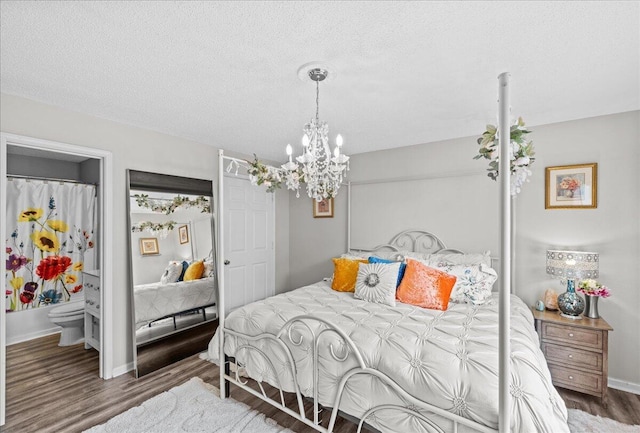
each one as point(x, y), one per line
point(191, 407)
point(195, 407)
point(583, 422)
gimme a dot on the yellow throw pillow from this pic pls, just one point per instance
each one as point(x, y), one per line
point(345, 274)
point(194, 271)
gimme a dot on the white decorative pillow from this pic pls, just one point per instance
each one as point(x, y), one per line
point(171, 273)
point(440, 260)
point(473, 284)
point(208, 269)
point(376, 282)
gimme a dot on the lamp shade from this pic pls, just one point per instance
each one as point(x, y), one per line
point(572, 264)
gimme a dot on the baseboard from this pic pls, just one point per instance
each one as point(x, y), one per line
point(621, 385)
point(118, 371)
point(33, 335)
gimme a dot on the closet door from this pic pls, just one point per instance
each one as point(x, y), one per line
point(249, 233)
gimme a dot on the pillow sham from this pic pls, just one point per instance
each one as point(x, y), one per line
point(395, 256)
point(473, 284)
point(208, 269)
point(440, 260)
point(171, 273)
point(345, 273)
point(194, 271)
point(403, 266)
point(425, 287)
point(376, 282)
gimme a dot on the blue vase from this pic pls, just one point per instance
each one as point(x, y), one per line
point(570, 303)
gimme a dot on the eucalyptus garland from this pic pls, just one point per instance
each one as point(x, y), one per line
point(178, 201)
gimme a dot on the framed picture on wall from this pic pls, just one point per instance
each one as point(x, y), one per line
point(571, 187)
point(183, 234)
point(323, 208)
point(149, 246)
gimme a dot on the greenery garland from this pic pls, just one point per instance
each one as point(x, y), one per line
point(153, 227)
point(272, 177)
point(521, 153)
point(178, 201)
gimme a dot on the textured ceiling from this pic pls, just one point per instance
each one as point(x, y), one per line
point(225, 73)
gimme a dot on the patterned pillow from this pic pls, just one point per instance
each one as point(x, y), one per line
point(376, 282)
point(345, 272)
point(403, 266)
point(171, 273)
point(474, 283)
point(425, 287)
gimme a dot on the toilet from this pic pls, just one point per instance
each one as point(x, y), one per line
point(70, 317)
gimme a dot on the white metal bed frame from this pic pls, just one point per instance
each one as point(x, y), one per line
point(504, 418)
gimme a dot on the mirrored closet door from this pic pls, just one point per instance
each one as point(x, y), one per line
point(172, 256)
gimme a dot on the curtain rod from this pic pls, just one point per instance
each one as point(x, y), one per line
point(47, 179)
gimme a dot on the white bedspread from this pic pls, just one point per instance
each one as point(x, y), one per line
point(154, 301)
point(448, 359)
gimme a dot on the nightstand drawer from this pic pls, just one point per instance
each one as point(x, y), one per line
point(584, 337)
point(576, 380)
point(572, 357)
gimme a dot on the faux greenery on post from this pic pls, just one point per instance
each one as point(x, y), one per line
point(521, 152)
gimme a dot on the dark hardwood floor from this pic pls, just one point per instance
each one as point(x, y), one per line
point(57, 389)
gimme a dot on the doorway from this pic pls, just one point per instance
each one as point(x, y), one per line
point(99, 163)
point(249, 242)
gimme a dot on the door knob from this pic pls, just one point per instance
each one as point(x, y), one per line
point(226, 262)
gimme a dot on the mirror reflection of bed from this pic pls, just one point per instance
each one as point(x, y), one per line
point(172, 275)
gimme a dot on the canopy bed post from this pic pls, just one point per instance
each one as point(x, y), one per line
point(220, 268)
point(349, 216)
point(504, 418)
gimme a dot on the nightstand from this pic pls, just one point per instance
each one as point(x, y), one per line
point(576, 351)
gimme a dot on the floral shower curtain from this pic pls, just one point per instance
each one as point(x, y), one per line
point(50, 226)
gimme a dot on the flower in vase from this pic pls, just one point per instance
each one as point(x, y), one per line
point(591, 287)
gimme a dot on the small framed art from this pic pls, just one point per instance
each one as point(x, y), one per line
point(323, 208)
point(571, 187)
point(149, 246)
point(183, 234)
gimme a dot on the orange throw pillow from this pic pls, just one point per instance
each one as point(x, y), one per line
point(425, 287)
point(345, 274)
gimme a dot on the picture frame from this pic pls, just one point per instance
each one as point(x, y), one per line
point(571, 186)
point(183, 234)
point(323, 208)
point(149, 246)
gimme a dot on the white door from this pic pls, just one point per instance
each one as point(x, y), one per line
point(249, 237)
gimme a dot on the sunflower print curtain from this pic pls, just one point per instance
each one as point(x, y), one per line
point(51, 241)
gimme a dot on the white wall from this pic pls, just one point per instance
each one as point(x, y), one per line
point(133, 148)
point(459, 203)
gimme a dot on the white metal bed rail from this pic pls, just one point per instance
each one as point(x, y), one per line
point(249, 344)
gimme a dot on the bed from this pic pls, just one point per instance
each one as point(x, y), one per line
point(393, 368)
point(157, 301)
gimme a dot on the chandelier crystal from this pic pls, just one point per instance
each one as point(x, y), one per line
point(321, 170)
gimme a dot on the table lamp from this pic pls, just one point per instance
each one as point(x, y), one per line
point(572, 265)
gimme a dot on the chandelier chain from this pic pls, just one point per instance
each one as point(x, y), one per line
point(317, 101)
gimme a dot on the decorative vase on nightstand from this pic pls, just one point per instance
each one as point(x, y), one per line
point(570, 303)
point(591, 309)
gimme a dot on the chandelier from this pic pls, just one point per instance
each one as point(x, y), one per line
point(321, 170)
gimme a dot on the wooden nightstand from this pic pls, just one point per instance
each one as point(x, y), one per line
point(576, 351)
